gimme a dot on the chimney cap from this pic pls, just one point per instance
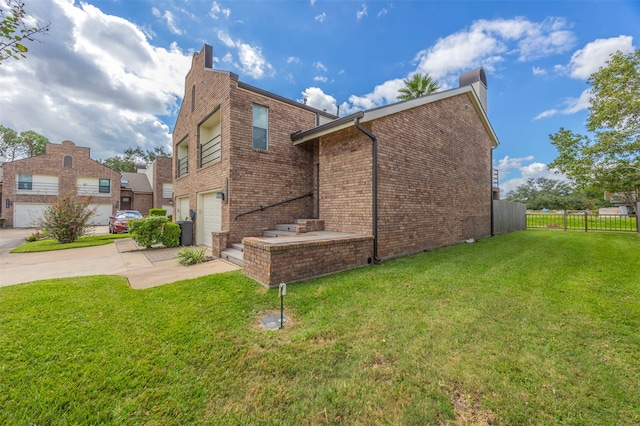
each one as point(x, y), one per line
point(473, 76)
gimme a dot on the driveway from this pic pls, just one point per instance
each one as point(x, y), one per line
point(143, 268)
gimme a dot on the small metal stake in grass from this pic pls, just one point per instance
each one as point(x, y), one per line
point(282, 291)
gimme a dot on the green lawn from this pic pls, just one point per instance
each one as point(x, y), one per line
point(49, 245)
point(534, 327)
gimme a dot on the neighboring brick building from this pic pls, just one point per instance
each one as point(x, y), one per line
point(238, 148)
point(30, 184)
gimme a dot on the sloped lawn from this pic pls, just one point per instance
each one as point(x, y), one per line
point(535, 327)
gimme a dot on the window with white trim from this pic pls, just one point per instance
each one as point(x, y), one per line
point(104, 186)
point(25, 181)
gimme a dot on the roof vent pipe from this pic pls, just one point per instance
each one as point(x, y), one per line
point(374, 184)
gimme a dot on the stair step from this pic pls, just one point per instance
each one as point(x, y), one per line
point(233, 256)
point(287, 227)
point(275, 233)
point(238, 246)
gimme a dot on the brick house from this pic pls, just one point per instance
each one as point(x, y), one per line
point(149, 187)
point(28, 185)
point(339, 192)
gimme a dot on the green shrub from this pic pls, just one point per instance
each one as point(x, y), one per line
point(68, 219)
point(191, 255)
point(34, 237)
point(171, 235)
point(148, 230)
point(170, 217)
point(157, 212)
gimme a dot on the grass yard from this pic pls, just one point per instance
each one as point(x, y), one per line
point(534, 327)
point(49, 245)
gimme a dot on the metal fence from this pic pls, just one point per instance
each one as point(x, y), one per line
point(583, 221)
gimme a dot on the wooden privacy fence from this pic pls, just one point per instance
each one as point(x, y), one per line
point(583, 221)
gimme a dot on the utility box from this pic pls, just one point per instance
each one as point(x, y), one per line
point(186, 232)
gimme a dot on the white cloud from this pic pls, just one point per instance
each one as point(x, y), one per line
point(539, 71)
point(569, 106)
point(320, 78)
point(362, 12)
point(251, 61)
point(321, 17)
point(382, 12)
point(594, 55)
point(217, 11)
point(316, 98)
point(546, 114)
point(486, 43)
point(95, 80)
point(527, 168)
point(293, 60)
point(320, 66)
point(168, 18)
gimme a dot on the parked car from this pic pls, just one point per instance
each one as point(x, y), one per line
point(118, 222)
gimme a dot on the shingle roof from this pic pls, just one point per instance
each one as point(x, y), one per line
point(137, 182)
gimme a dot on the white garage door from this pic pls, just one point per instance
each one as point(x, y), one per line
point(26, 215)
point(103, 211)
point(209, 217)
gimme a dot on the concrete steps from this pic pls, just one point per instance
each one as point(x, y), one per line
point(233, 255)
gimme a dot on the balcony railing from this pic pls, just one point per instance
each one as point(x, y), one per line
point(183, 166)
point(210, 151)
point(86, 190)
point(37, 188)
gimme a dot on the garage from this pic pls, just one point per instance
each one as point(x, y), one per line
point(26, 215)
point(103, 211)
point(209, 217)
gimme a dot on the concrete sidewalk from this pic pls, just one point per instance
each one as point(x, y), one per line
point(144, 268)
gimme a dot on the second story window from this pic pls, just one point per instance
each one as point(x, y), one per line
point(25, 181)
point(67, 163)
point(260, 127)
point(104, 186)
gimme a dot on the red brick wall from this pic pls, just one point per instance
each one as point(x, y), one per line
point(51, 164)
point(270, 264)
point(255, 178)
point(162, 173)
point(434, 178)
point(345, 182)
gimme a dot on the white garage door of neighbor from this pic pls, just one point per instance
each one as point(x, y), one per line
point(26, 215)
point(103, 211)
point(210, 213)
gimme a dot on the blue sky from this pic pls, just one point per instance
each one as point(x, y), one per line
point(110, 73)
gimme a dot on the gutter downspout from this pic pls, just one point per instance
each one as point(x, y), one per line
point(374, 185)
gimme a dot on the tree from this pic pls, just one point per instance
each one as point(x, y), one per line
point(547, 193)
point(26, 144)
point(33, 143)
point(418, 85)
point(610, 159)
point(16, 30)
point(9, 143)
point(133, 157)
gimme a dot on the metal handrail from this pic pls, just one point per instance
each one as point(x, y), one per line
point(259, 209)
